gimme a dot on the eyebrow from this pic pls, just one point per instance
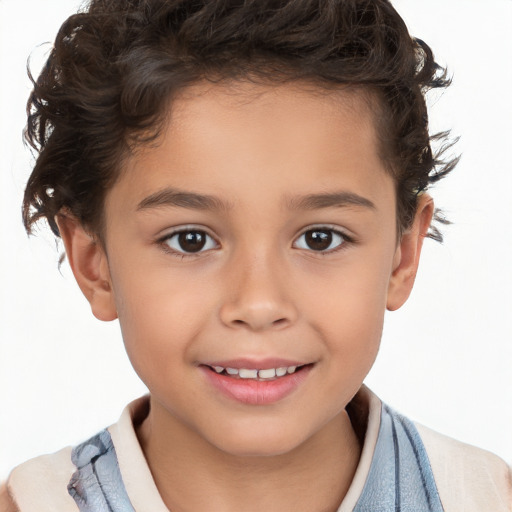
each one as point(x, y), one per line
point(183, 199)
point(191, 200)
point(329, 200)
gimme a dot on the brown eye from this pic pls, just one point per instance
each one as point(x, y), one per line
point(190, 241)
point(320, 240)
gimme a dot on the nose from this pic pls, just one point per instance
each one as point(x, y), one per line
point(258, 295)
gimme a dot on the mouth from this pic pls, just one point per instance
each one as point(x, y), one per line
point(257, 386)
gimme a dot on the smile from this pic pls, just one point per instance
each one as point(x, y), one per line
point(256, 386)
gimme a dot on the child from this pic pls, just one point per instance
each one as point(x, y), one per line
point(243, 185)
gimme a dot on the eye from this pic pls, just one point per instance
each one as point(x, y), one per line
point(321, 240)
point(190, 241)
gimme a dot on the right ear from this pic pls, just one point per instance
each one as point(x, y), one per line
point(89, 264)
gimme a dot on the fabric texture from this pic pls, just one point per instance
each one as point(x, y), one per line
point(468, 478)
point(400, 476)
point(97, 485)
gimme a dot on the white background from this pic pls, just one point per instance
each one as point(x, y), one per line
point(446, 356)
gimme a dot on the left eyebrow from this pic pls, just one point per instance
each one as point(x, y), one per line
point(328, 200)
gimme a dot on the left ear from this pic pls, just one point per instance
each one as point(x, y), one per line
point(407, 255)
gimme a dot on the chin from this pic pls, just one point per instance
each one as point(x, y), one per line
point(259, 448)
point(259, 442)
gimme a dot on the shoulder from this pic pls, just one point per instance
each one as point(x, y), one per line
point(66, 480)
point(40, 484)
point(467, 475)
point(457, 476)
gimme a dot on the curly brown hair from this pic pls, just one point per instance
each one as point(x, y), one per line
point(115, 65)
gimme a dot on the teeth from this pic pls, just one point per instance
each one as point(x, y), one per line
point(281, 371)
point(267, 374)
point(246, 373)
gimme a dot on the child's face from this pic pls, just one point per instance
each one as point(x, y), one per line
point(292, 219)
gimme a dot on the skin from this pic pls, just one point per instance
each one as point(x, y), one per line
point(257, 290)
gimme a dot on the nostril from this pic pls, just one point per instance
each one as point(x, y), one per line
point(257, 315)
point(280, 322)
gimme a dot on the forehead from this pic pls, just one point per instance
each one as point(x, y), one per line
point(242, 139)
point(267, 108)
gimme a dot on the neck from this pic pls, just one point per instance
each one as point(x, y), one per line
point(193, 475)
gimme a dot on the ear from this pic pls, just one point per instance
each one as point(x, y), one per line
point(89, 264)
point(407, 255)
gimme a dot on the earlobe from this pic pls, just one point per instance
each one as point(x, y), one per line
point(89, 264)
point(407, 255)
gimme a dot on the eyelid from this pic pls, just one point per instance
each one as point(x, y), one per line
point(167, 232)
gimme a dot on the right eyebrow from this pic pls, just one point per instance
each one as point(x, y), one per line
point(181, 198)
point(340, 198)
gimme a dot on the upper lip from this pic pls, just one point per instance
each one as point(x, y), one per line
point(256, 364)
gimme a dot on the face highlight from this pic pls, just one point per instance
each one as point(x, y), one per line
point(250, 255)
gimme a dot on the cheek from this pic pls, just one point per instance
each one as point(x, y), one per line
point(352, 329)
point(160, 315)
point(348, 308)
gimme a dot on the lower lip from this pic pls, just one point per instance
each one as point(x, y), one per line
point(257, 392)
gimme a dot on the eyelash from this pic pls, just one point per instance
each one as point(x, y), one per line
point(164, 241)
